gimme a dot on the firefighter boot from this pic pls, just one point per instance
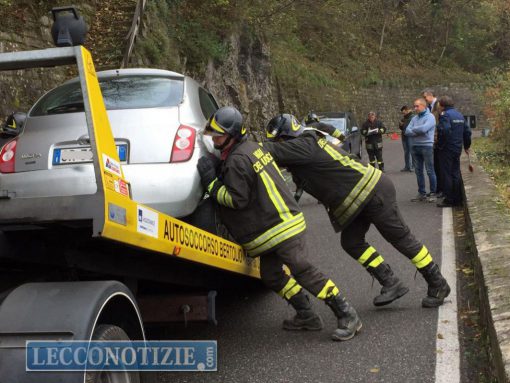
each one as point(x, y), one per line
point(305, 318)
point(392, 287)
point(349, 322)
point(438, 288)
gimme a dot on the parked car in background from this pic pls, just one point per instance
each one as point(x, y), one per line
point(155, 116)
point(346, 123)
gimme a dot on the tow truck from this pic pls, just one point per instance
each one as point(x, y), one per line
point(110, 263)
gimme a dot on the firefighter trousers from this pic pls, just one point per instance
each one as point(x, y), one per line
point(376, 154)
point(383, 212)
point(294, 254)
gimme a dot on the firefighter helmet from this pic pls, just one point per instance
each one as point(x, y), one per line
point(226, 120)
point(311, 118)
point(285, 126)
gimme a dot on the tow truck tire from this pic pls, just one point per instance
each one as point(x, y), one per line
point(109, 332)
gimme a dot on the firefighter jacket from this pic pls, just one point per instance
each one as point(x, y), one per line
point(373, 132)
point(452, 131)
point(338, 180)
point(255, 203)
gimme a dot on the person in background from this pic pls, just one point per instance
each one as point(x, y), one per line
point(433, 107)
point(421, 130)
point(373, 129)
point(407, 115)
point(453, 134)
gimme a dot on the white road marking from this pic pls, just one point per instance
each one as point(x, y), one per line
point(447, 339)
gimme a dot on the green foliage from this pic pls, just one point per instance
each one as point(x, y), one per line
point(497, 107)
point(494, 156)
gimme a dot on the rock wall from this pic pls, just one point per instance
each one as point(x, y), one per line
point(20, 89)
point(244, 78)
point(387, 101)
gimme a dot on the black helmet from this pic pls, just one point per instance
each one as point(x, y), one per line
point(311, 117)
point(226, 120)
point(284, 125)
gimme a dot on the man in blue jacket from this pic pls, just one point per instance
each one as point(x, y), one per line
point(421, 130)
point(453, 133)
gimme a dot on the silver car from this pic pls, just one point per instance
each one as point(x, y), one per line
point(155, 116)
point(346, 123)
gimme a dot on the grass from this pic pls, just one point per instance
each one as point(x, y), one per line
point(495, 159)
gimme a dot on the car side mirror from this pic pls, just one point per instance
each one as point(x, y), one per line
point(354, 129)
point(13, 125)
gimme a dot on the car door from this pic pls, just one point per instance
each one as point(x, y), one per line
point(354, 135)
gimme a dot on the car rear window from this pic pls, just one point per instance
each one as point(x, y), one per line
point(123, 92)
point(338, 123)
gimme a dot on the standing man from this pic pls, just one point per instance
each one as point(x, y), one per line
point(355, 196)
point(453, 134)
point(421, 130)
point(373, 129)
point(433, 107)
point(407, 115)
point(258, 209)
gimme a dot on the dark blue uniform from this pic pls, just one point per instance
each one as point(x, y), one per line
point(453, 134)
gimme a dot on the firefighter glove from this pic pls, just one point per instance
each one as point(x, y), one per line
point(207, 169)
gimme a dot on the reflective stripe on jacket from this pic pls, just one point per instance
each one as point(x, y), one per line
point(255, 203)
point(337, 179)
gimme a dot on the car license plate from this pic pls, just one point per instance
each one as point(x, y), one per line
point(82, 155)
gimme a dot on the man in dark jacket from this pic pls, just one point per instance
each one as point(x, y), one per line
point(407, 115)
point(356, 196)
point(452, 134)
point(258, 209)
point(373, 129)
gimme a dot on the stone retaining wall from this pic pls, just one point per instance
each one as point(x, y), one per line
point(489, 222)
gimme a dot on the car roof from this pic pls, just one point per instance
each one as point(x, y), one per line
point(332, 114)
point(134, 72)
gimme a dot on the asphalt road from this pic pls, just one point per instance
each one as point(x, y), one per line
point(396, 344)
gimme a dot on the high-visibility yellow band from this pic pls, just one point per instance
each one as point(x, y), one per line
point(364, 257)
point(215, 126)
point(290, 289)
point(276, 235)
point(275, 196)
point(337, 133)
point(376, 262)
point(424, 262)
point(329, 290)
point(422, 259)
point(358, 195)
point(293, 291)
point(211, 185)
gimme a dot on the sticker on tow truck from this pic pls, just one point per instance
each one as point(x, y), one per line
point(147, 222)
point(111, 165)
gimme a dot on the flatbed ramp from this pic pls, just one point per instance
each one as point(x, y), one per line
point(116, 216)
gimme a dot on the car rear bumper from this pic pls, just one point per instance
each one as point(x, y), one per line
point(174, 191)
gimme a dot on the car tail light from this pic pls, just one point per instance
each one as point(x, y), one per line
point(7, 157)
point(184, 144)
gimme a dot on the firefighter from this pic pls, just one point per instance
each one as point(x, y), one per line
point(373, 129)
point(313, 121)
point(355, 196)
point(260, 213)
